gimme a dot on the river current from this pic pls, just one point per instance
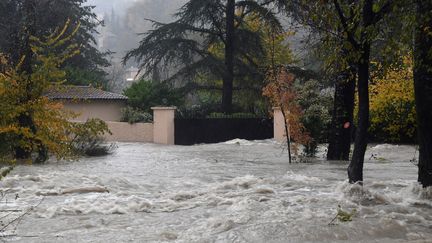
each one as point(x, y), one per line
point(238, 191)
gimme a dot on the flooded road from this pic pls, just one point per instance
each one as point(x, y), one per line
point(238, 191)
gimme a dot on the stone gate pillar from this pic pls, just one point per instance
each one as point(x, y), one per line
point(278, 125)
point(163, 125)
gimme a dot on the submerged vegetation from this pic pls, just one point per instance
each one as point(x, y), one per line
point(88, 138)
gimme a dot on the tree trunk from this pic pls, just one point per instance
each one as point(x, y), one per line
point(343, 111)
point(355, 169)
point(229, 58)
point(287, 132)
point(423, 88)
point(25, 120)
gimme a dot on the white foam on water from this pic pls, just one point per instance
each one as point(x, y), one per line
point(181, 195)
point(244, 142)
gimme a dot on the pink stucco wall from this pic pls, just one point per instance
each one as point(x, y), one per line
point(163, 128)
point(161, 131)
point(125, 132)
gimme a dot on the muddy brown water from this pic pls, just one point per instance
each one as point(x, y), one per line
point(238, 191)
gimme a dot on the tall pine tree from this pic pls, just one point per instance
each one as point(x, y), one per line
point(201, 24)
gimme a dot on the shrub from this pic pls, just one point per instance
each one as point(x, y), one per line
point(5, 146)
point(132, 115)
point(198, 111)
point(88, 138)
point(316, 105)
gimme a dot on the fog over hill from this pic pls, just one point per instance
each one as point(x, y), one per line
point(124, 20)
point(103, 6)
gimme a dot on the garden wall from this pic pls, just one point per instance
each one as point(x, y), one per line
point(167, 130)
point(161, 131)
point(125, 132)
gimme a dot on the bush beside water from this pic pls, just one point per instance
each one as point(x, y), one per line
point(88, 138)
point(132, 115)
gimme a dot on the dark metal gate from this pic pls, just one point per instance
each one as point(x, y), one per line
point(189, 131)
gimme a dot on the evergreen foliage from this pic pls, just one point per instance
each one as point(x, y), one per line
point(316, 105)
point(87, 66)
point(186, 44)
point(144, 95)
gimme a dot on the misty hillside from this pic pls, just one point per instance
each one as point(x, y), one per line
point(124, 21)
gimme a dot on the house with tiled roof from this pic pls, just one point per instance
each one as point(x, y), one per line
point(89, 102)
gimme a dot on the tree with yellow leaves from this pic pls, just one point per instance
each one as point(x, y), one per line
point(392, 104)
point(46, 128)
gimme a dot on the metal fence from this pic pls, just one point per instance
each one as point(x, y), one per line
point(189, 131)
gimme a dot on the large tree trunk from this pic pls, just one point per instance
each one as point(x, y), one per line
point(25, 120)
point(423, 89)
point(355, 169)
point(228, 79)
point(343, 110)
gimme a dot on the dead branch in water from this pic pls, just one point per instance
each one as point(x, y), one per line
point(75, 191)
point(19, 218)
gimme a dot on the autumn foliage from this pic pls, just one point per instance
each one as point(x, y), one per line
point(23, 93)
point(280, 91)
point(392, 104)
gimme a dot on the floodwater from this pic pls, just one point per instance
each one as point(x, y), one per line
point(238, 191)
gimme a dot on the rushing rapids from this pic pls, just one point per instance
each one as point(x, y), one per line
point(238, 191)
